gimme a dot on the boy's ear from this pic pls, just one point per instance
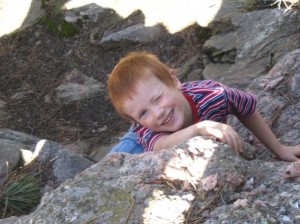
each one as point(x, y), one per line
point(173, 74)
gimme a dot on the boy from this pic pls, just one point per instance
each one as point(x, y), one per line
point(164, 113)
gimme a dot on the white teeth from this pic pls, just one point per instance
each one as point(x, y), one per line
point(168, 118)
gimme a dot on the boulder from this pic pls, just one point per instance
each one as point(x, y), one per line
point(76, 86)
point(199, 179)
point(137, 33)
point(261, 39)
point(24, 148)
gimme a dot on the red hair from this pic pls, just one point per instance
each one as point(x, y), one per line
point(129, 70)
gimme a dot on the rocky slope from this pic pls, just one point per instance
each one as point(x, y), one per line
point(198, 181)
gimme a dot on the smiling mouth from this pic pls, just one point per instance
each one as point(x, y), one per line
point(169, 118)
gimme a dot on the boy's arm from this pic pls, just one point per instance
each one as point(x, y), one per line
point(257, 125)
point(219, 131)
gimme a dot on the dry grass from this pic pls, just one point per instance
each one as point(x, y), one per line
point(206, 201)
point(250, 5)
point(20, 191)
point(30, 72)
point(288, 4)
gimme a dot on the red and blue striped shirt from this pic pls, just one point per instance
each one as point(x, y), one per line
point(209, 100)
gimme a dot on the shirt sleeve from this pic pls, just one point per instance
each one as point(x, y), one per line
point(240, 103)
point(145, 136)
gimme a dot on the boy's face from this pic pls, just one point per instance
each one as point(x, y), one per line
point(158, 107)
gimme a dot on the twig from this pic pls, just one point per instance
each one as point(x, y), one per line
point(46, 120)
point(130, 210)
point(209, 205)
point(5, 208)
point(288, 7)
point(288, 98)
point(190, 212)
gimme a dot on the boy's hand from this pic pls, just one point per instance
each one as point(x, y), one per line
point(221, 132)
point(289, 153)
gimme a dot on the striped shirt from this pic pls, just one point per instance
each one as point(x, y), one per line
point(209, 100)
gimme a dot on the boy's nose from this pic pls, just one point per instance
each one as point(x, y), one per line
point(158, 112)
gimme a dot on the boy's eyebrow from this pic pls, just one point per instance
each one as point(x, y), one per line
point(136, 113)
point(159, 93)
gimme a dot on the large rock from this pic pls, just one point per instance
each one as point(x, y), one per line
point(24, 148)
point(137, 33)
point(278, 102)
point(283, 83)
point(170, 186)
point(261, 39)
point(10, 157)
point(76, 86)
point(266, 33)
point(221, 48)
point(12, 143)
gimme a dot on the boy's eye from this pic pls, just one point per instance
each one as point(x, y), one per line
point(142, 114)
point(157, 98)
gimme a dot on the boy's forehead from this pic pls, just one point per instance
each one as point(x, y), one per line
point(144, 89)
point(151, 82)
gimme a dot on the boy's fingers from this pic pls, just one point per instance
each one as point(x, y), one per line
point(226, 134)
point(239, 144)
point(296, 150)
point(216, 132)
point(235, 146)
point(234, 140)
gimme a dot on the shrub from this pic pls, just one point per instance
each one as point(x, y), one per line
point(19, 194)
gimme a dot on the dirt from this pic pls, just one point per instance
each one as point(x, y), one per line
point(35, 60)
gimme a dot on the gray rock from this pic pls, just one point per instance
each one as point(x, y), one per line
point(134, 34)
point(263, 33)
point(295, 84)
point(221, 48)
point(196, 74)
point(65, 164)
point(285, 71)
point(278, 102)
point(10, 157)
point(11, 145)
point(288, 124)
point(130, 188)
point(184, 71)
point(229, 9)
point(77, 86)
point(106, 191)
point(90, 11)
point(262, 38)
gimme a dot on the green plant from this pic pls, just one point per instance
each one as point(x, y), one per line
point(19, 194)
point(54, 19)
point(96, 36)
